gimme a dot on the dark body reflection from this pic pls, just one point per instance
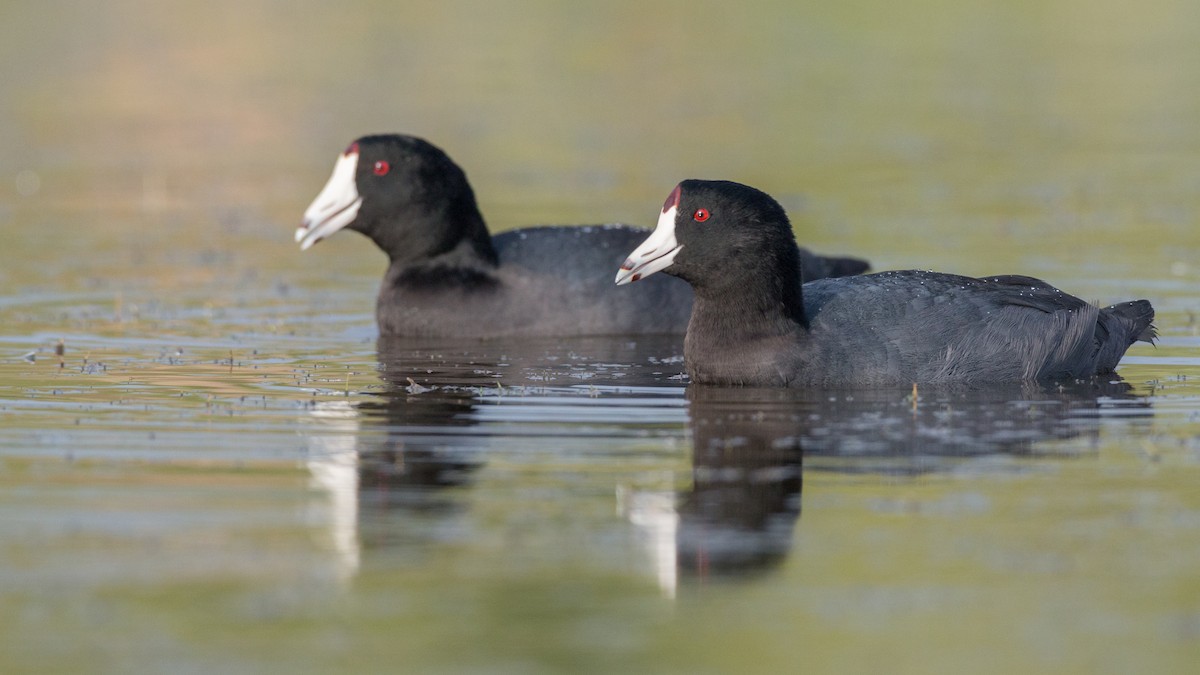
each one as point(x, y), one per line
point(433, 390)
point(746, 480)
point(890, 430)
point(749, 446)
point(399, 462)
point(426, 430)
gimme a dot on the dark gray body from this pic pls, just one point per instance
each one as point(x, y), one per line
point(448, 277)
point(912, 326)
point(753, 324)
point(550, 281)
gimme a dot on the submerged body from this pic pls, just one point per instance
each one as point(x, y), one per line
point(751, 325)
point(911, 326)
point(526, 292)
point(448, 277)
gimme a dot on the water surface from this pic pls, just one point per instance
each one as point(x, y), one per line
point(225, 470)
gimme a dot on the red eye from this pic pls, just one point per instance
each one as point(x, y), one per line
point(700, 215)
point(381, 168)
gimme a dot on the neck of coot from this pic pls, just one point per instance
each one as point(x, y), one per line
point(447, 233)
point(745, 308)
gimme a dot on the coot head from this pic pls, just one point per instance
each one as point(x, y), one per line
point(401, 191)
point(715, 233)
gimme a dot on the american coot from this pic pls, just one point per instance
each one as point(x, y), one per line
point(753, 325)
point(449, 278)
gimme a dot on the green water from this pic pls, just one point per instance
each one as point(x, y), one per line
point(218, 474)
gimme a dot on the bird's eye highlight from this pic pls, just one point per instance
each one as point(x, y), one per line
point(382, 167)
point(700, 215)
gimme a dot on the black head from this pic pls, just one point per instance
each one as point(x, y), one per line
point(403, 192)
point(717, 233)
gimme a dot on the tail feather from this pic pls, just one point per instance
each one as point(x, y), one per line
point(1138, 315)
point(813, 266)
point(845, 267)
point(1121, 325)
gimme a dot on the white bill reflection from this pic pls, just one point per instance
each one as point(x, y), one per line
point(333, 465)
point(654, 515)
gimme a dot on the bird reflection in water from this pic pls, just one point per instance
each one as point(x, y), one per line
point(749, 445)
point(398, 450)
point(412, 447)
point(405, 449)
point(746, 478)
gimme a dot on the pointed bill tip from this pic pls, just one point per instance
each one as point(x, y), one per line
point(336, 206)
point(657, 252)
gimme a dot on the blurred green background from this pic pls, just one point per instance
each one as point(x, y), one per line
point(916, 134)
point(155, 159)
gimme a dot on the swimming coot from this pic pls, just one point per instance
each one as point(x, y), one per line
point(449, 277)
point(753, 324)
